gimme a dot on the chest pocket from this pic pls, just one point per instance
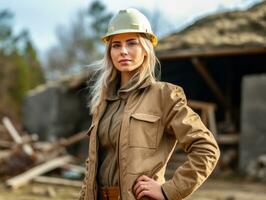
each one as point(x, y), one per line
point(143, 130)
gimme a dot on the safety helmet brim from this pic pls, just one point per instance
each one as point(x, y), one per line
point(150, 36)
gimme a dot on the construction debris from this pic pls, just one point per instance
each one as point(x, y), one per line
point(15, 162)
point(17, 138)
point(57, 181)
point(27, 159)
point(257, 169)
point(25, 177)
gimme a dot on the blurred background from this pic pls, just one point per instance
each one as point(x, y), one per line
point(215, 50)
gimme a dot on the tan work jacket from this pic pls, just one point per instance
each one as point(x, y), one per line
point(156, 119)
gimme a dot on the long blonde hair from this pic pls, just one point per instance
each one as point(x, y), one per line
point(106, 72)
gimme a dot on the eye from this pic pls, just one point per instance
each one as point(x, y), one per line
point(132, 43)
point(116, 45)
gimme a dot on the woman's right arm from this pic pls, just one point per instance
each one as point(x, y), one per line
point(195, 139)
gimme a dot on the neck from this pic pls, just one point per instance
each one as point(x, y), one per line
point(126, 76)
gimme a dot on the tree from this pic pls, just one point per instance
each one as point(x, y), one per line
point(6, 39)
point(100, 19)
point(20, 69)
point(79, 44)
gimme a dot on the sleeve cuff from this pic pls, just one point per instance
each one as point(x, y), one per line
point(170, 191)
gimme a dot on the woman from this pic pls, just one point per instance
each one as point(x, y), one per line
point(137, 122)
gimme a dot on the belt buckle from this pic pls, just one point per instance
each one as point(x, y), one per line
point(106, 194)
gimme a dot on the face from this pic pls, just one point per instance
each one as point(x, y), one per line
point(127, 53)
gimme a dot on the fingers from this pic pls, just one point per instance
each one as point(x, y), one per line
point(141, 187)
point(142, 194)
point(143, 178)
point(140, 182)
point(145, 186)
point(142, 190)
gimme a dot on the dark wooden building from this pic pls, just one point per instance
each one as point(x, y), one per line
point(210, 60)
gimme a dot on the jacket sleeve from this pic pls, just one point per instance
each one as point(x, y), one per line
point(195, 139)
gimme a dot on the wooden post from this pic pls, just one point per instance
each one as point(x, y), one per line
point(209, 80)
point(212, 120)
point(207, 114)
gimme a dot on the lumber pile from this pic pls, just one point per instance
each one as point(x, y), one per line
point(23, 158)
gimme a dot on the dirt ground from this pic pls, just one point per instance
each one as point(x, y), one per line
point(213, 189)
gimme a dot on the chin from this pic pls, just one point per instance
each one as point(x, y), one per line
point(125, 69)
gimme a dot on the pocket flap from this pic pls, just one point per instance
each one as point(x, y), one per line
point(145, 117)
point(88, 132)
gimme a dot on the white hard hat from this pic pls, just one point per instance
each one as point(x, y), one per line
point(130, 21)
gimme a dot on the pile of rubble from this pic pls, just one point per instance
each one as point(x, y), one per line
point(23, 158)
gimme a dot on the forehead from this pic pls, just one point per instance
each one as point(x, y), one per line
point(124, 36)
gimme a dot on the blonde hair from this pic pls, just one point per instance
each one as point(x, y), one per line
point(106, 72)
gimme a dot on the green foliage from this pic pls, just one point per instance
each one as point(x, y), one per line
point(100, 18)
point(79, 44)
point(20, 69)
point(6, 38)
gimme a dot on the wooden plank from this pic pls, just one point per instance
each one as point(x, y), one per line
point(25, 177)
point(43, 146)
point(73, 139)
point(181, 54)
point(232, 138)
point(5, 144)
point(63, 142)
point(24, 140)
point(201, 104)
point(57, 181)
point(16, 137)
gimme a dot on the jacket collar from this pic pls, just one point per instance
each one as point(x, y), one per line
point(115, 93)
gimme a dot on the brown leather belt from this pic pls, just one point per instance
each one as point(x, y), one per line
point(110, 193)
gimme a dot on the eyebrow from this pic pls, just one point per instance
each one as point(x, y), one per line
point(128, 40)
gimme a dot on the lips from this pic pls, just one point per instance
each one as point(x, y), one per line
point(124, 61)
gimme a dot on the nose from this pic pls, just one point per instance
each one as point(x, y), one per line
point(124, 50)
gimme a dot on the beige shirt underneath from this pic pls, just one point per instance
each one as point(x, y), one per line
point(109, 128)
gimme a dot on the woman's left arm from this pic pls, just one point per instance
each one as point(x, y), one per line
point(196, 140)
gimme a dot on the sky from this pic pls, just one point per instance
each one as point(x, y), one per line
point(41, 17)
